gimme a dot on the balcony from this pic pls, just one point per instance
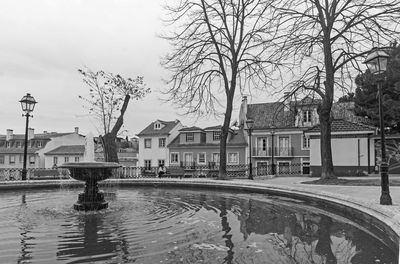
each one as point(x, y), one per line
point(278, 152)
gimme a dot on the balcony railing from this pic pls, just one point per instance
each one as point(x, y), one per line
point(278, 152)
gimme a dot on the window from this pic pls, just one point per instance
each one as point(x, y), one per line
point(21, 158)
point(215, 158)
point(161, 162)
point(39, 144)
point(174, 157)
point(189, 137)
point(66, 159)
point(157, 126)
point(161, 142)
point(307, 116)
point(32, 160)
point(12, 159)
point(306, 142)
point(76, 159)
point(17, 144)
point(8, 144)
point(216, 135)
point(233, 158)
point(147, 143)
point(1, 159)
point(201, 158)
point(55, 160)
point(147, 164)
point(188, 158)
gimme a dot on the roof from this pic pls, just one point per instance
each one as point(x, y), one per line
point(191, 129)
point(37, 136)
point(213, 128)
point(150, 131)
point(67, 150)
point(18, 150)
point(267, 115)
point(341, 125)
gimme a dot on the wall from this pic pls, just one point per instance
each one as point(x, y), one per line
point(349, 157)
point(55, 142)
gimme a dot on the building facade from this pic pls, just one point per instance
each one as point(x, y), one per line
point(195, 146)
point(40, 147)
point(153, 142)
point(279, 144)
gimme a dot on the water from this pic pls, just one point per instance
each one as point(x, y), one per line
point(150, 225)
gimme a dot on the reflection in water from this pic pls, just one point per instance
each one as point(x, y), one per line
point(150, 225)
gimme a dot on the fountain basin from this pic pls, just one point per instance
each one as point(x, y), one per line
point(91, 173)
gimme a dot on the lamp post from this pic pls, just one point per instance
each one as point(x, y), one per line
point(376, 62)
point(27, 104)
point(272, 151)
point(250, 125)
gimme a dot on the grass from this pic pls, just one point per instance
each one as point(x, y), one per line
point(355, 182)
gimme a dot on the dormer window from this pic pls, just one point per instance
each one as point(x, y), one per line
point(157, 126)
point(216, 135)
point(8, 144)
point(307, 116)
point(189, 137)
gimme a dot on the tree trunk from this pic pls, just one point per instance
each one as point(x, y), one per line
point(326, 149)
point(224, 138)
point(110, 148)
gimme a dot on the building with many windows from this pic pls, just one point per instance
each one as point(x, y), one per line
point(153, 142)
point(44, 150)
point(195, 146)
point(279, 145)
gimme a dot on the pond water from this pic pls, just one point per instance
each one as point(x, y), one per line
point(166, 225)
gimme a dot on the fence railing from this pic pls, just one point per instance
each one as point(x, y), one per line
point(211, 170)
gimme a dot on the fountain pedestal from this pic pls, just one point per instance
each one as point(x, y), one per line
point(91, 173)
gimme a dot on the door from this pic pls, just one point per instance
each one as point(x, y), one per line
point(284, 146)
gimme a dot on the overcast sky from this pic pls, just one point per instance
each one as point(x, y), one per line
point(44, 42)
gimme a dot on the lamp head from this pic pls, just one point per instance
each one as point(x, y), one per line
point(376, 61)
point(28, 103)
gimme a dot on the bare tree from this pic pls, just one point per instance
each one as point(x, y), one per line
point(108, 100)
point(327, 39)
point(218, 48)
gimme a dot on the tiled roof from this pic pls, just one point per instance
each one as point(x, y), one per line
point(17, 150)
point(36, 136)
point(214, 128)
point(341, 125)
point(193, 128)
point(150, 131)
point(69, 150)
point(267, 115)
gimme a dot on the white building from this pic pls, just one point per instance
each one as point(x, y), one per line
point(153, 141)
point(353, 148)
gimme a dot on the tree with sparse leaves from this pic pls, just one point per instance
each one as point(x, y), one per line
point(218, 49)
point(108, 100)
point(325, 41)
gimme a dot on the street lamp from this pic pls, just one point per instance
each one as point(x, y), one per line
point(27, 104)
point(250, 125)
point(376, 62)
point(272, 150)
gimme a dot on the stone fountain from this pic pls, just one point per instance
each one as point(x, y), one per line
point(91, 173)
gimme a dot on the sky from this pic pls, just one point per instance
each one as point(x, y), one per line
point(43, 43)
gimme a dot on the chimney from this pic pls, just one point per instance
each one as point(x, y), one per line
point(286, 101)
point(9, 134)
point(31, 133)
point(76, 130)
point(243, 112)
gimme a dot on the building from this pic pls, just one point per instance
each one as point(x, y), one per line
point(153, 142)
point(44, 150)
point(195, 146)
point(353, 148)
point(279, 145)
